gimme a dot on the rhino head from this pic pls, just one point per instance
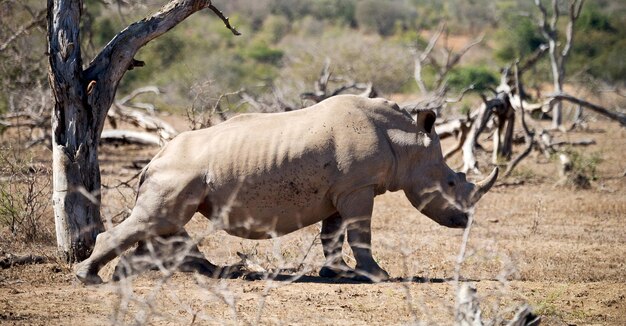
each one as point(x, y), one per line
point(432, 187)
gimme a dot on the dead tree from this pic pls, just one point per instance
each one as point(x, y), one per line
point(500, 109)
point(443, 65)
point(459, 128)
point(274, 102)
point(322, 92)
point(82, 98)
point(141, 115)
point(435, 96)
point(558, 56)
point(529, 136)
point(543, 142)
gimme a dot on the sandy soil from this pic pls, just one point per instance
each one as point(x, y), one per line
point(560, 250)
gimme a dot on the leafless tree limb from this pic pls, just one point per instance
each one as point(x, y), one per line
point(420, 57)
point(322, 91)
point(37, 19)
point(225, 19)
point(442, 66)
point(501, 110)
point(532, 60)
point(615, 115)
point(456, 57)
point(461, 95)
point(122, 110)
point(142, 90)
point(557, 60)
point(528, 135)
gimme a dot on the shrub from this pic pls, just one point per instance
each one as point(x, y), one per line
point(599, 46)
point(24, 198)
point(481, 77)
point(381, 17)
point(518, 38)
point(276, 26)
point(265, 54)
point(342, 11)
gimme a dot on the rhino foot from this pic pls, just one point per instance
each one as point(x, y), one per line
point(378, 275)
point(329, 272)
point(86, 275)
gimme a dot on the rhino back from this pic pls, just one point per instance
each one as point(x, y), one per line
point(290, 166)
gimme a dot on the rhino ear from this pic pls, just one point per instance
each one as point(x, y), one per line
point(425, 119)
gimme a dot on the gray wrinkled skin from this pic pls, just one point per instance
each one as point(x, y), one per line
point(259, 176)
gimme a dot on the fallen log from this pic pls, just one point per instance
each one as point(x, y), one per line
point(130, 137)
point(12, 260)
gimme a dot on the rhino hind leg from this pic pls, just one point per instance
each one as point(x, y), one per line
point(156, 213)
point(332, 236)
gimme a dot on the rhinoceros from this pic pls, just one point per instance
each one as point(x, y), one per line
point(263, 175)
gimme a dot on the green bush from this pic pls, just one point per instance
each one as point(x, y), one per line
point(519, 37)
point(292, 9)
point(481, 77)
point(382, 17)
point(591, 19)
point(341, 11)
point(263, 53)
point(276, 27)
point(599, 46)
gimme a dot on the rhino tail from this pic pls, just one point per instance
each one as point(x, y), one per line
point(142, 178)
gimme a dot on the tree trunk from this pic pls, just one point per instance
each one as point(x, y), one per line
point(82, 100)
point(557, 77)
point(76, 173)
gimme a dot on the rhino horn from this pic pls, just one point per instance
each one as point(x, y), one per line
point(483, 186)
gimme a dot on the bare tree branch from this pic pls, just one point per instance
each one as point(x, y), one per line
point(38, 18)
point(529, 136)
point(558, 59)
point(531, 60)
point(421, 57)
point(142, 90)
point(220, 14)
point(574, 13)
point(321, 86)
point(457, 56)
point(442, 66)
point(615, 115)
point(122, 48)
point(461, 95)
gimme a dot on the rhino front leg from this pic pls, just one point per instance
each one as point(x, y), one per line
point(332, 236)
point(356, 210)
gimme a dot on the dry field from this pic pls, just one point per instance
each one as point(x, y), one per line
point(561, 250)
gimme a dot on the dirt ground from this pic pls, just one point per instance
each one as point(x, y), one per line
point(560, 250)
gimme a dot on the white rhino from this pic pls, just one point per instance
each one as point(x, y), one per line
point(265, 175)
